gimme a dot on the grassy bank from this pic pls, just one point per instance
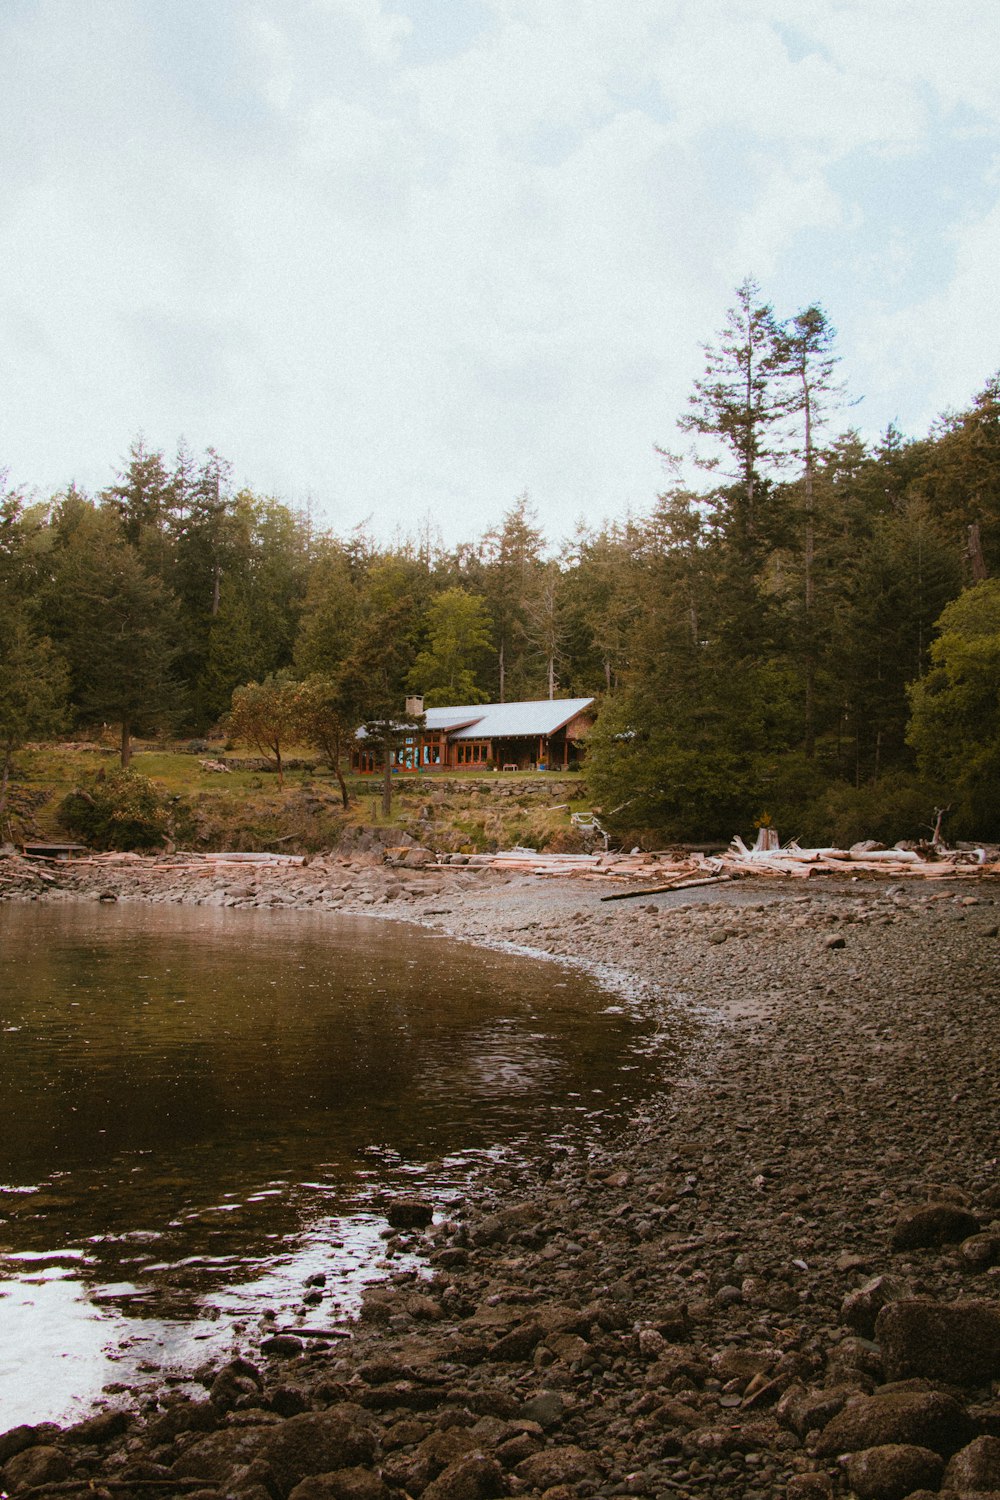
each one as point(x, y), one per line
point(244, 807)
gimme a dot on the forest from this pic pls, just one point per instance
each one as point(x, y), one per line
point(803, 629)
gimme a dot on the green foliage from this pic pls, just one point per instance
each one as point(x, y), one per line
point(33, 687)
point(323, 720)
point(266, 716)
point(458, 634)
point(955, 724)
point(118, 810)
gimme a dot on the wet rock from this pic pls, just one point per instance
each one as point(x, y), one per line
point(100, 1428)
point(409, 1213)
point(15, 1440)
point(892, 1471)
point(282, 1345)
point(927, 1419)
point(42, 1464)
point(313, 1442)
point(214, 1457)
point(958, 1342)
point(932, 1224)
point(975, 1467)
point(182, 1416)
point(237, 1379)
point(288, 1400)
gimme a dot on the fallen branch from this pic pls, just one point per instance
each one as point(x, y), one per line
point(674, 885)
point(317, 1333)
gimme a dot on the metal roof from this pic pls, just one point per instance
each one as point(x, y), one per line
point(502, 721)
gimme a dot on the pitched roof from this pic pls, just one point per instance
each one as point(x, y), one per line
point(498, 721)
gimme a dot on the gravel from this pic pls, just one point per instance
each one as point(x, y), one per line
point(685, 1308)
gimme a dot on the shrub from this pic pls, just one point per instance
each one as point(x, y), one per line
point(119, 809)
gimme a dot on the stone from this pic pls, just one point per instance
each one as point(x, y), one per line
point(980, 1251)
point(41, 1464)
point(564, 1464)
point(975, 1467)
point(318, 1442)
point(311, 1443)
point(892, 1471)
point(958, 1342)
point(409, 1213)
point(15, 1440)
point(342, 1484)
point(282, 1345)
point(926, 1419)
point(473, 1477)
point(815, 1486)
point(547, 1409)
point(518, 1344)
point(927, 1225)
point(861, 1307)
point(100, 1428)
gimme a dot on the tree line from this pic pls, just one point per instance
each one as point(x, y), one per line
point(802, 627)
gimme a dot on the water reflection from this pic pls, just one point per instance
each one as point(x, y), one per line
point(200, 1108)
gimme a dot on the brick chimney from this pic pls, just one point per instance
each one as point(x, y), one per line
point(414, 707)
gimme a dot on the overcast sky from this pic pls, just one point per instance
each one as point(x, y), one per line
point(401, 258)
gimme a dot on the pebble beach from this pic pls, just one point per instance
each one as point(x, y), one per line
point(781, 1278)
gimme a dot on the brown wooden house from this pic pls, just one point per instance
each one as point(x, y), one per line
point(546, 734)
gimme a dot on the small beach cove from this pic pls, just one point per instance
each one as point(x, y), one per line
point(640, 1312)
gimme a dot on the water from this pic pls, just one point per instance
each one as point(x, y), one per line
point(200, 1110)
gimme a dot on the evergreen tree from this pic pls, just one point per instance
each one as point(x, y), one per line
point(458, 634)
point(955, 724)
point(118, 626)
point(33, 688)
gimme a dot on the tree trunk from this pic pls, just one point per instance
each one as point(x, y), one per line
point(126, 744)
point(502, 674)
point(343, 784)
point(387, 778)
point(3, 788)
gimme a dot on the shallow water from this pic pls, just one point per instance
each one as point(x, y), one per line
point(202, 1109)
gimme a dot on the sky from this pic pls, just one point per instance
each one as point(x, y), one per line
point(403, 261)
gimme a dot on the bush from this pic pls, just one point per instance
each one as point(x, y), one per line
point(118, 810)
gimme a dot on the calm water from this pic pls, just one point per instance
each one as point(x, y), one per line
point(199, 1110)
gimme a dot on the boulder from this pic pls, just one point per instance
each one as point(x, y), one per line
point(42, 1464)
point(975, 1467)
point(474, 1477)
point(980, 1251)
point(342, 1484)
point(958, 1342)
point(892, 1471)
point(926, 1225)
point(564, 1464)
point(409, 1213)
point(311, 1443)
point(100, 1428)
point(926, 1419)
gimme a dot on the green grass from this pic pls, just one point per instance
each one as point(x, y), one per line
point(247, 808)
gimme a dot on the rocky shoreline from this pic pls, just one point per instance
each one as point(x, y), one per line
point(782, 1279)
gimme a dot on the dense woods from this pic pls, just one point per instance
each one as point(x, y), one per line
point(801, 629)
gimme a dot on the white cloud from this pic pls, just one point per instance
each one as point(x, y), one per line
point(402, 285)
